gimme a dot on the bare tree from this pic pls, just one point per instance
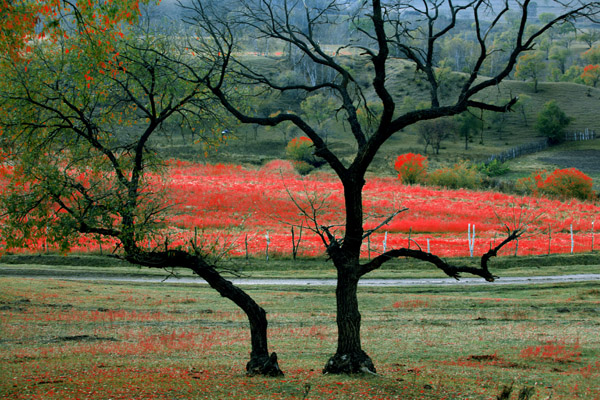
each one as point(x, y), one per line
point(412, 30)
point(434, 132)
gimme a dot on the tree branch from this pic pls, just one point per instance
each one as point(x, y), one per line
point(452, 271)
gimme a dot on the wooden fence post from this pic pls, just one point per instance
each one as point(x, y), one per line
point(268, 241)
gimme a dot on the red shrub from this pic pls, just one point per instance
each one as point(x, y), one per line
point(569, 182)
point(562, 183)
point(412, 168)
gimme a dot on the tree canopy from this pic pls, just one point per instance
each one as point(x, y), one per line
point(77, 120)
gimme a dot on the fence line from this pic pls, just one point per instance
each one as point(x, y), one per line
point(588, 134)
point(522, 150)
point(534, 147)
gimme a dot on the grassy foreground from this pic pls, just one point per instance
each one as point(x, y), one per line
point(66, 340)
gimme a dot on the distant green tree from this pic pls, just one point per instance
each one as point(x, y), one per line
point(318, 107)
point(468, 124)
point(592, 56)
point(531, 66)
point(589, 37)
point(546, 17)
point(523, 105)
point(560, 55)
point(434, 132)
point(552, 121)
point(573, 74)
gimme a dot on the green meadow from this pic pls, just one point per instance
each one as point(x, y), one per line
point(92, 339)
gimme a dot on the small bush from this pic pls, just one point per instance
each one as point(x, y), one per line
point(562, 183)
point(461, 175)
point(570, 182)
point(533, 184)
point(301, 152)
point(302, 167)
point(493, 169)
point(412, 168)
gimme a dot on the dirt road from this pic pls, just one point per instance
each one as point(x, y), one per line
point(310, 282)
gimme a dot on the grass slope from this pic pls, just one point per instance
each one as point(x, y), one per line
point(258, 145)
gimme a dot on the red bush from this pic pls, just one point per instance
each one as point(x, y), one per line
point(562, 183)
point(569, 182)
point(412, 168)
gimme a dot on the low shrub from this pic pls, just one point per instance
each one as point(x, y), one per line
point(461, 175)
point(570, 182)
point(300, 151)
point(493, 169)
point(412, 168)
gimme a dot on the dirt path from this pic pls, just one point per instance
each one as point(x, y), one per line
point(311, 282)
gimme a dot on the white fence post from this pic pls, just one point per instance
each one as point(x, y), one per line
point(268, 242)
point(385, 242)
point(572, 240)
point(471, 239)
point(593, 236)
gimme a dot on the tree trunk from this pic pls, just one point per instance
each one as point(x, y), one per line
point(261, 363)
point(349, 357)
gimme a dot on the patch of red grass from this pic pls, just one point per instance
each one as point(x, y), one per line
point(557, 351)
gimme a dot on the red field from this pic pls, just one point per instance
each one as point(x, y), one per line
point(236, 208)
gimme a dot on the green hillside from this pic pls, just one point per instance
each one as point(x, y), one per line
point(257, 145)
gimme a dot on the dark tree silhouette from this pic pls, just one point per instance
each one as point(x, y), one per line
point(410, 30)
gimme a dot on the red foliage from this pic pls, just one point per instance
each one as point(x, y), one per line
point(591, 74)
point(412, 168)
point(228, 203)
point(561, 183)
point(557, 351)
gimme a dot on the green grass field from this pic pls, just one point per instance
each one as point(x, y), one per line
point(99, 340)
point(91, 340)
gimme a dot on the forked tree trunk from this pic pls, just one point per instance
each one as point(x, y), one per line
point(349, 357)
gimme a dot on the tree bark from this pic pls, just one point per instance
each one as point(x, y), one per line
point(349, 357)
point(261, 362)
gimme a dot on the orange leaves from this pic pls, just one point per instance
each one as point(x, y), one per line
point(102, 21)
point(591, 74)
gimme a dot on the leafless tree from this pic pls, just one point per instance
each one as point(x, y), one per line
point(410, 30)
point(434, 132)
